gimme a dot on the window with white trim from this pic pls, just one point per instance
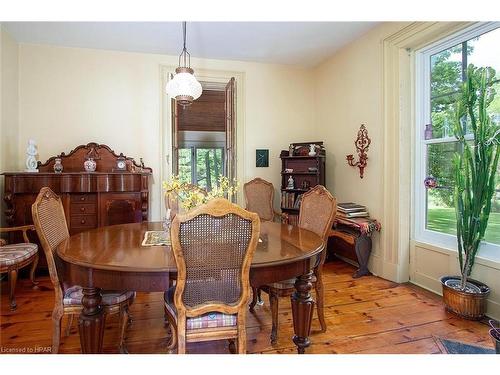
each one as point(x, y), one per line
point(440, 70)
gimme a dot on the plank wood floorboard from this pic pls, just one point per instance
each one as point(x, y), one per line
point(366, 315)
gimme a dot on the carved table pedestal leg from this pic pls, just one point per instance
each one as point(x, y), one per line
point(91, 323)
point(302, 311)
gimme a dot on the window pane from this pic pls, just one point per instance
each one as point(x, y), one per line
point(443, 115)
point(446, 71)
point(440, 207)
point(494, 108)
point(492, 233)
point(185, 165)
point(446, 78)
point(208, 167)
point(440, 163)
point(484, 51)
point(440, 213)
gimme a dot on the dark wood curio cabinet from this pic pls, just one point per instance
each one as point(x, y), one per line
point(305, 171)
point(109, 195)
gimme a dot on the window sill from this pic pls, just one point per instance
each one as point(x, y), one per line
point(485, 257)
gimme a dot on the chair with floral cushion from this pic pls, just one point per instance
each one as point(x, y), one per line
point(51, 227)
point(317, 213)
point(13, 257)
point(213, 247)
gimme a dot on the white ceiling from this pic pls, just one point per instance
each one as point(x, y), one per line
point(296, 43)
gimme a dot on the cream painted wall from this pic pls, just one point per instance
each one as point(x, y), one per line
point(71, 96)
point(8, 108)
point(348, 92)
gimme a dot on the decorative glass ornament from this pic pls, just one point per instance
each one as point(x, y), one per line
point(430, 182)
point(58, 167)
point(90, 165)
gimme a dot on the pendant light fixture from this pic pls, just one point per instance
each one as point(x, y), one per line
point(184, 87)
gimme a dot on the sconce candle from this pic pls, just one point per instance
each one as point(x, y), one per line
point(362, 143)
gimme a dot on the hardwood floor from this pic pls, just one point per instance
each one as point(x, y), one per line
point(366, 315)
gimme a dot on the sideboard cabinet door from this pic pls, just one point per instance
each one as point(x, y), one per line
point(120, 208)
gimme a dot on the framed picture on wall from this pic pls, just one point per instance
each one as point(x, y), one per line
point(262, 158)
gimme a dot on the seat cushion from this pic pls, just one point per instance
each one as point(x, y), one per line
point(16, 253)
point(73, 296)
point(208, 320)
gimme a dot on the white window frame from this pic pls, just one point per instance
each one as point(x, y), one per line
point(422, 116)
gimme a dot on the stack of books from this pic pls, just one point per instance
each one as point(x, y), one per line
point(289, 200)
point(350, 210)
point(293, 220)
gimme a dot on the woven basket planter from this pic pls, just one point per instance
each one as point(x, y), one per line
point(468, 305)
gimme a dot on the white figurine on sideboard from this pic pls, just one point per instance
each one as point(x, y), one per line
point(312, 150)
point(31, 153)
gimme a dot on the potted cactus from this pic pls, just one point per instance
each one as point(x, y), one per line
point(475, 173)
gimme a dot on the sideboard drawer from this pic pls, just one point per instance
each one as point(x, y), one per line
point(83, 198)
point(83, 208)
point(83, 221)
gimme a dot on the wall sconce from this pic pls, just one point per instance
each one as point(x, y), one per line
point(362, 143)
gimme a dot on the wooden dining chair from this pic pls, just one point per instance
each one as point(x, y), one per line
point(213, 247)
point(52, 229)
point(259, 196)
point(13, 257)
point(317, 213)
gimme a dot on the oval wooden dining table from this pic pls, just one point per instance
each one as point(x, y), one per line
point(113, 258)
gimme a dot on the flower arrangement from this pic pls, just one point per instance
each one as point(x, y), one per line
point(190, 196)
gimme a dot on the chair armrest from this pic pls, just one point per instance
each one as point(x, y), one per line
point(23, 228)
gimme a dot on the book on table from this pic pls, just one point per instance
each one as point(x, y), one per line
point(348, 215)
point(349, 207)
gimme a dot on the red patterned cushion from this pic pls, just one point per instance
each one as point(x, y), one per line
point(211, 320)
point(74, 295)
point(208, 320)
point(16, 253)
point(3, 242)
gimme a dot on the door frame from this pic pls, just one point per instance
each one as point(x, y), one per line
point(213, 77)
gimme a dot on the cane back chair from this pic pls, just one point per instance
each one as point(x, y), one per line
point(317, 213)
point(213, 247)
point(51, 227)
point(13, 257)
point(259, 196)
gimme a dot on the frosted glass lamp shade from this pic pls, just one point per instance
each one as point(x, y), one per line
point(184, 87)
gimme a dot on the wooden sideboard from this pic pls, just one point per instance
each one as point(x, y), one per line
point(90, 199)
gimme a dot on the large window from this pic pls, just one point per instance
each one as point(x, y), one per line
point(441, 69)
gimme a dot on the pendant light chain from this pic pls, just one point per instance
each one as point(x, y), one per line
point(185, 56)
point(184, 33)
